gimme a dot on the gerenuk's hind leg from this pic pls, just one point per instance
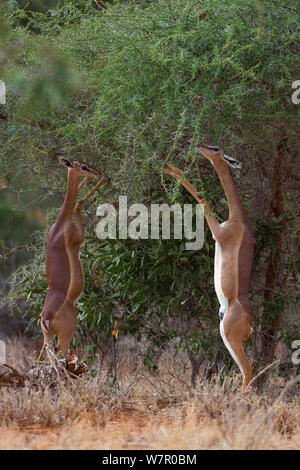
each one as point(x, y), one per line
point(48, 338)
point(65, 324)
point(235, 328)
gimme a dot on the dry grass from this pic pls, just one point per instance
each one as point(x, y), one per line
point(147, 410)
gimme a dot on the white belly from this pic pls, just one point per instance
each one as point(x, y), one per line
point(217, 278)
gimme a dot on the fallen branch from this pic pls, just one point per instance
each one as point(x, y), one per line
point(14, 378)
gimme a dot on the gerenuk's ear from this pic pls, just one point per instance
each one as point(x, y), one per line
point(232, 162)
point(65, 162)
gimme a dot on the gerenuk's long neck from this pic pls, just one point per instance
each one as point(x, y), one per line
point(236, 208)
point(67, 209)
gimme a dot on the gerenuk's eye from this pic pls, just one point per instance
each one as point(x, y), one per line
point(84, 168)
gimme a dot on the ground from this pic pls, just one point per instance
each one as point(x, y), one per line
point(145, 410)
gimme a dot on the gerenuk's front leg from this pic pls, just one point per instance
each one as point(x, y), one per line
point(81, 203)
point(213, 224)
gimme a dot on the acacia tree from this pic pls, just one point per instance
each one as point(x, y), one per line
point(148, 82)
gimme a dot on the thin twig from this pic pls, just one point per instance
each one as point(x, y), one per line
point(261, 372)
point(171, 10)
point(114, 379)
point(101, 7)
point(53, 359)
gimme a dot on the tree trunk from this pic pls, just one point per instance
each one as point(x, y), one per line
point(272, 316)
